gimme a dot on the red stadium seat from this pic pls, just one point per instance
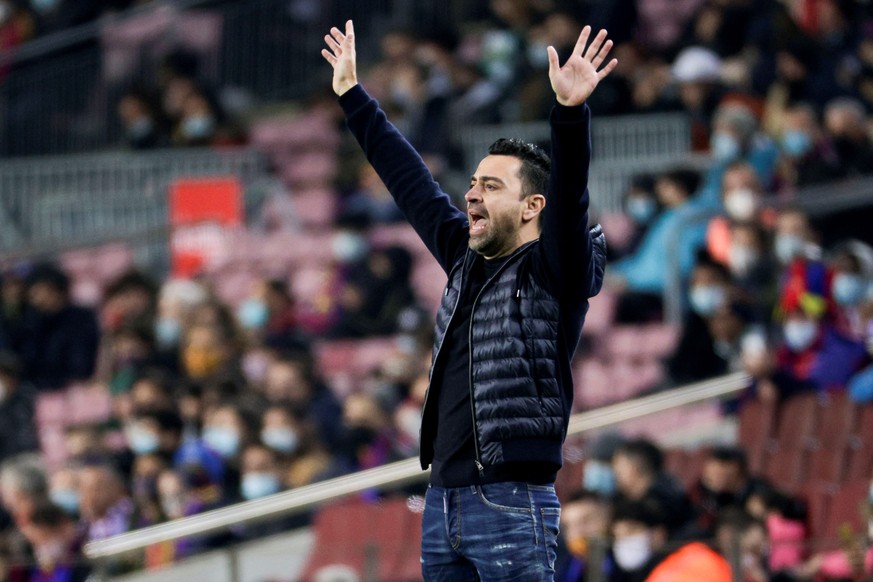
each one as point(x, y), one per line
point(755, 431)
point(786, 467)
point(846, 509)
point(837, 415)
point(797, 421)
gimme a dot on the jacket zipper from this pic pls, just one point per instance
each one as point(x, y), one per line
point(440, 348)
point(478, 460)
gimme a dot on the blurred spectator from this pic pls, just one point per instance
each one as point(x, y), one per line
point(17, 431)
point(64, 491)
point(105, 506)
point(23, 486)
point(710, 329)
point(845, 126)
point(59, 339)
point(697, 73)
point(368, 438)
point(141, 121)
point(291, 381)
point(208, 351)
point(177, 301)
point(736, 137)
point(724, 483)
point(807, 156)
point(130, 351)
point(639, 538)
point(372, 199)
point(852, 264)
point(640, 209)
point(84, 444)
point(752, 268)
point(155, 432)
point(13, 300)
point(268, 316)
point(794, 237)
point(585, 525)
point(304, 457)
point(640, 475)
point(376, 291)
point(642, 275)
point(741, 198)
point(52, 534)
point(598, 475)
point(737, 531)
point(198, 120)
point(260, 472)
point(785, 519)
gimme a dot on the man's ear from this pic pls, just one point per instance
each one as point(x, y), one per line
point(533, 205)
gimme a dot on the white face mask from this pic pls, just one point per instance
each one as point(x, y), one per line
point(741, 204)
point(632, 552)
point(742, 259)
point(800, 334)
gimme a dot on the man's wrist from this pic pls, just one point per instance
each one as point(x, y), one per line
point(346, 88)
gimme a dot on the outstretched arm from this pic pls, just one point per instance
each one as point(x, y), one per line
point(566, 244)
point(441, 226)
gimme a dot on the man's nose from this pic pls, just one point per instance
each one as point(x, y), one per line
point(473, 195)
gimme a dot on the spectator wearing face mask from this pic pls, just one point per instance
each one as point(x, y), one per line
point(639, 534)
point(696, 356)
point(64, 489)
point(139, 115)
point(598, 476)
point(304, 457)
point(737, 531)
point(640, 208)
point(17, 431)
point(735, 137)
point(642, 276)
point(813, 351)
point(226, 431)
point(198, 125)
point(794, 238)
point(851, 284)
point(269, 317)
point(155, 432)
point(742, 200)
point(175, 502)
point(751, 267)
point(583, 543)
point(806, 156)
point(53, 537)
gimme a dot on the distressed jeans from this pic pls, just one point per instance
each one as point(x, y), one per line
point(494, 533)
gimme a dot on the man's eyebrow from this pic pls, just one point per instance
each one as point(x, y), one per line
point(488, 179)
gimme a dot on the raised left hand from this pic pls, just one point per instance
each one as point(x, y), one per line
point(576, 80)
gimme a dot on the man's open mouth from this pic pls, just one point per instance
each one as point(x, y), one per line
point(478, 223)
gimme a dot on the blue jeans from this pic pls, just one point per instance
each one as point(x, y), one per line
point(496, 532)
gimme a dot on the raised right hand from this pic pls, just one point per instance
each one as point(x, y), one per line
point(340, 53)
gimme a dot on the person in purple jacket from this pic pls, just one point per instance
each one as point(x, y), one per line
point(522, 263)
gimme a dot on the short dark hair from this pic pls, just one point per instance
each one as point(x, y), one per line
point(535, 163)
point(648, 511)
point(644, 453)
point(49, 515)
point(51, 275)
point(728, 454)
point(685, 178)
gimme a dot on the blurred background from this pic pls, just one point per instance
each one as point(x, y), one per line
point(209, 298)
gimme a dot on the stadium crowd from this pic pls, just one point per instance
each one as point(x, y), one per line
point(214, 403)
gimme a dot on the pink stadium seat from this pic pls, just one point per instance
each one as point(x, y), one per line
point(401, 235)
point(89, 404)
point(428, 281)
point(625, 342)
point(601, 313)
point(659, 340)
point(51, 408)
point(316, 209)
point(593, 383)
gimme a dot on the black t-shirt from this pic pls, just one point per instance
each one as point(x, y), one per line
point(453, 445)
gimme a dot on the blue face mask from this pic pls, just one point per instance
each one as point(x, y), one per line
point(848, 289)
point(198, 127)
point(799, 334)
point(706, 299)
point(283, 440)
point(66, 499)
point(641, 209)
point(257, 485)
point(598, 477)
point(141, 441)
point(796, 143)
point(788, 246)
point(253, 314)
point(167, 332)
point(724, 147)
point(44, 6)
point(222, 440)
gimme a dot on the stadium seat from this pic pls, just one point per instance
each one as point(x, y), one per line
point(797, 421)
point(837, 415)
point(860, 463)
point(755, 431)
point(828, 463)
point(786, 467)
point(846, 509)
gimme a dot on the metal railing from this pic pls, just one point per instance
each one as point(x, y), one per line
point(622, 147)
point(60, 93)
point(391, 475)
point(78, 200)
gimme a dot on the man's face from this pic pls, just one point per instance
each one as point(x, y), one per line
point(721, 476)
point(585, 519)
point(495, 206)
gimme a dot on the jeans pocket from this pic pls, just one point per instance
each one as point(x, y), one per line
point(505, 497)
point(550, 517)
